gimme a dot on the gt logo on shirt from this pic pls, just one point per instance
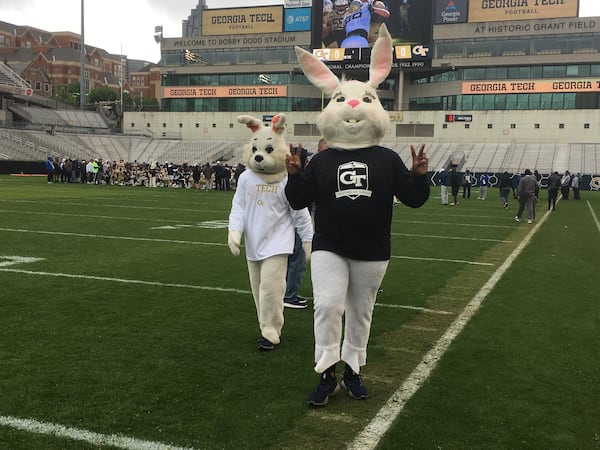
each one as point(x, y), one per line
point(353, 180)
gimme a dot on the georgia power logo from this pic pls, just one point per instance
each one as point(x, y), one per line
point(353, 180)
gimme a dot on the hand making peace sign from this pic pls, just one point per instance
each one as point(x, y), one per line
point(420, 162)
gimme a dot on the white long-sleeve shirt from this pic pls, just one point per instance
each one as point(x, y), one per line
point(261, 212)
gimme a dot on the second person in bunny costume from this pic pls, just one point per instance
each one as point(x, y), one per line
point(352, 184)
point(261, 213)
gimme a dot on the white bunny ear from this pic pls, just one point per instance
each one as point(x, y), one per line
point(278, 122)
point(317, 72)
point(251, 122)
point(381, 58)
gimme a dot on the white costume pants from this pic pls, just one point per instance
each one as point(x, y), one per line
point(343, 286)
point(267, 281)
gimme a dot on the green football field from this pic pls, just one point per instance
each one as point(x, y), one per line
point(125, 322)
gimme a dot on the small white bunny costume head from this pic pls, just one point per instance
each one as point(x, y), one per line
point(266, 151)
point(354, 117)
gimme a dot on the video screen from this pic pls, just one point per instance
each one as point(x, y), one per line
point(345, 31)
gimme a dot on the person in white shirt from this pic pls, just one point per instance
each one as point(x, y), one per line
point(261, 213)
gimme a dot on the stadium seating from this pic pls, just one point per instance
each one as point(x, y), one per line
point(477, 157)
point(59, 118)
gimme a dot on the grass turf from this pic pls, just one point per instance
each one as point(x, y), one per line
point(137, 321)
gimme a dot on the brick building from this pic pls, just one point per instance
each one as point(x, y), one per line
point(49, 61)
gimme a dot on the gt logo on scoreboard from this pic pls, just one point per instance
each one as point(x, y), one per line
point(329, 54)
point(412, 51)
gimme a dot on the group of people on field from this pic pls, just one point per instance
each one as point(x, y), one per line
point(207, 176)
point(524, 187)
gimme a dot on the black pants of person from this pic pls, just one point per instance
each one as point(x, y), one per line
point(552, 194)
point(466, 191)
point(564, 191)
point(454, 190)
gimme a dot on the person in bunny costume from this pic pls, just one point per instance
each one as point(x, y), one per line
point(261, 213)
point(353, 184)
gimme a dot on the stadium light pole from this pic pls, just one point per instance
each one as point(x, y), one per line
point(121, 79)
point(82, 65)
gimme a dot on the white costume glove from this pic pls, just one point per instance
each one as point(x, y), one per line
point(233, 240)
point(307, 247)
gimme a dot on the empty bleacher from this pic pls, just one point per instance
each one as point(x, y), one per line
point(85, 119)
point(591, 157)
point(514, 158)
point(155, 150)
point(60, 118)
point(200, 152)
point(477, 157)
point(20, 146)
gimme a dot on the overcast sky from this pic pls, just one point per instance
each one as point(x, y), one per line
point(127, 26)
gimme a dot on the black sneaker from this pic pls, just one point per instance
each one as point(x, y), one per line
point(265, 345)
point(327, 386)
point(294, 303)
point(353, 384)
point(301, 300)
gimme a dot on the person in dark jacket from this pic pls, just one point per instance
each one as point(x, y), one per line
point(196, 176)
point(454, 185)
point(553, 187)
point(505, 187)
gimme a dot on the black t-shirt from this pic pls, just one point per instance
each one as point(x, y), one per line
point(353, 192)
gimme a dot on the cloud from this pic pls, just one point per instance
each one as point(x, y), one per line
point(171, 10)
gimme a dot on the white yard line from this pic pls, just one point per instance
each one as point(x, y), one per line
point(460, 261)
point(92, 216)
point(104, 236)
point(61, 431)
point(152, 208)
point(178, 241)
point(415, 308)
point(424, 222)
point(178, 285)
point(126, 281)
point(594, 215)
point(369, 437)
point(460, 238)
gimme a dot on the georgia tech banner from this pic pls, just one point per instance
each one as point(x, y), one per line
point(224, 91)
point(498, 10)
point(234, 21)
point(531, 86)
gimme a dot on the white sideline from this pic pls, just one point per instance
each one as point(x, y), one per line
point(60, 431)
point(369, 437)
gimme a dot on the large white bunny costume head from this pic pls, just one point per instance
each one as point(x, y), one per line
point(265, 153)
point(354, 117)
